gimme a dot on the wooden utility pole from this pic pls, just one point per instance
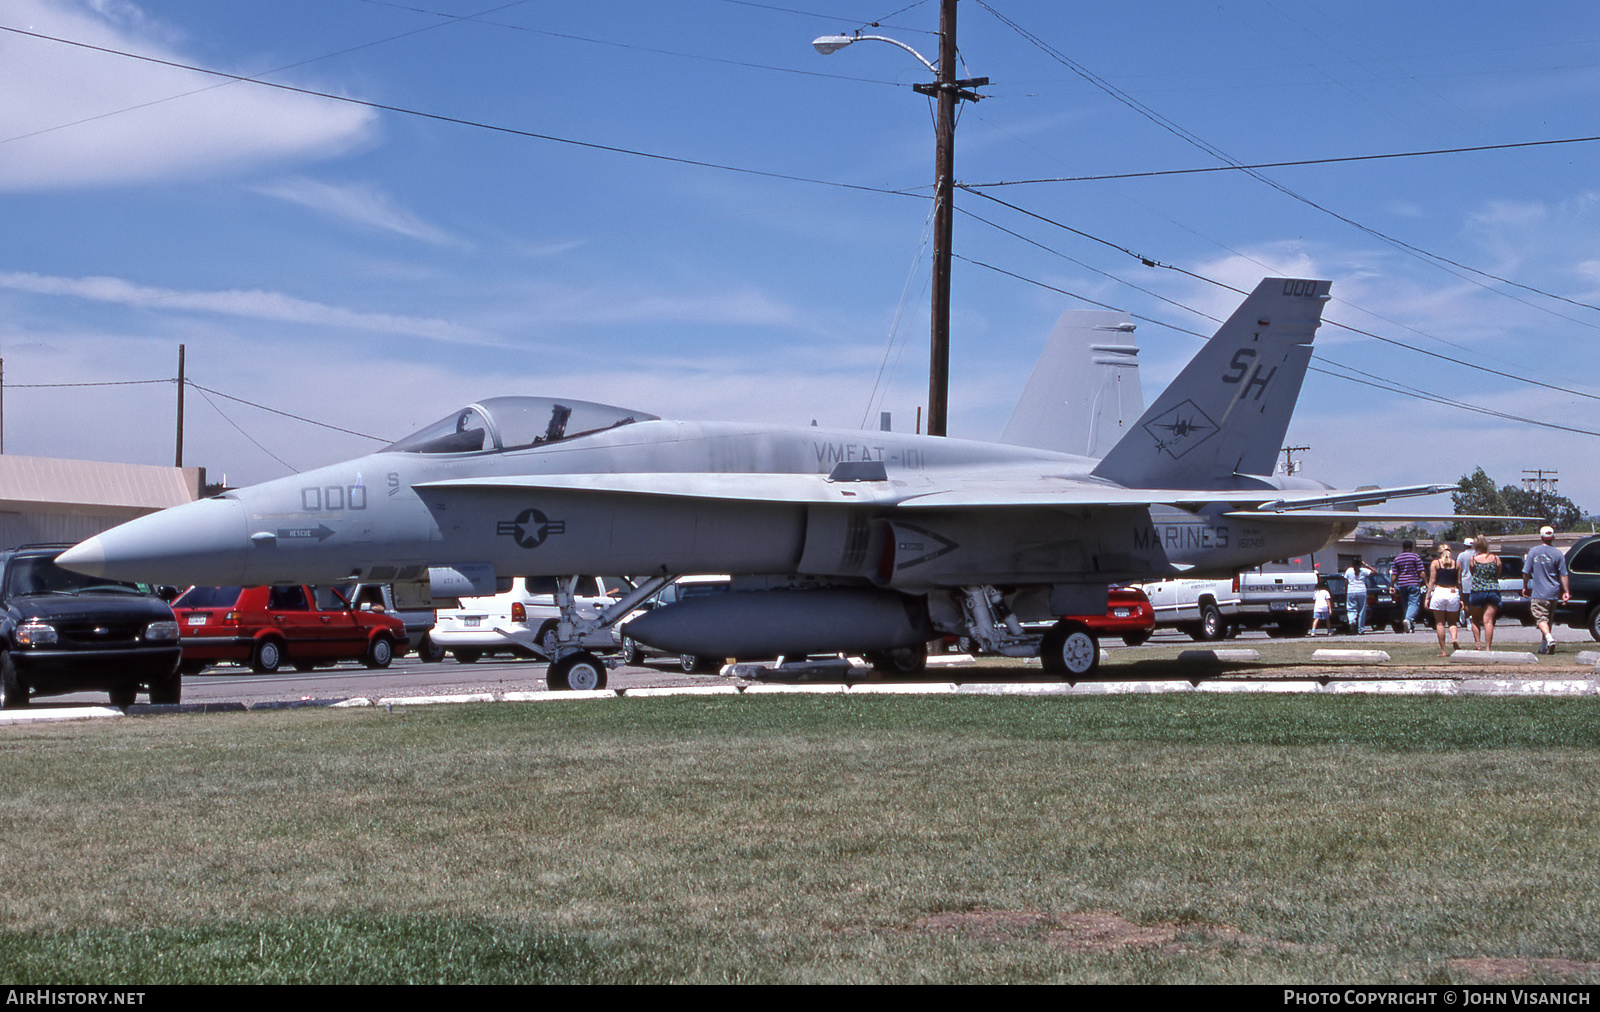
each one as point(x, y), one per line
point(180, 407)
point(948, 90)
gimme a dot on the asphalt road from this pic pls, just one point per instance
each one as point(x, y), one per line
point(409, 676)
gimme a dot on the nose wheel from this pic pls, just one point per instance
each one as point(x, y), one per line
point(1070, 649)
point(579, 670)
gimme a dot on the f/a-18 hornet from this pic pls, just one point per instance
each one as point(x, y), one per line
point(837, 540)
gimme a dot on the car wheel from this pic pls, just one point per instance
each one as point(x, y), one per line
point(576, 671)
point(1212, 627)
point(690, 663)
point(380, 652)
point(13, 690)
point(192, 667)
point(632, 653)
point(1070, 649)
point(167, 691)
point(123, 696)
point(1594, 622)
point(468, 656)
point(900, 661)
point(304, 666)
point(1137, 639)
point(429, 651)
point(267, 656)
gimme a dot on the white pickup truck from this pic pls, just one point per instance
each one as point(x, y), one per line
point(1214, 609)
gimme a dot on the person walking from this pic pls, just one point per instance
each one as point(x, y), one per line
point(1464, 561)
point(1444, 597)
point(1484, 601)
point(1407, 572)
point(1322, 607)
point(1355, 595)
point(1544, 575)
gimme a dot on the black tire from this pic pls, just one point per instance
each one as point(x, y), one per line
point(1594, 622)
point(123, 696)
point(694, 664)
point(1212, 627)
point(465, 656)
point(267, 657)
point(13, 690)
point(900, 662)
point(380, 653)
point(429, 651)
point(304, 666)
point(1137, 639)
point(1399, 627)
point(576, 671)
point(1070, 649)
point(192, 667)
point(167, 691)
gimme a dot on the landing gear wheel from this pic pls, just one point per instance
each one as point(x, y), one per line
point(266, 657)
point(13, 691)
point(1070, 649)
point(900, 662)
point(464, 656)
point(379, 653)
point(548, 644)
point(168, 690)
point(580, 671)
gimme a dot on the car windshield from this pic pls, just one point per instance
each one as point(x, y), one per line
point(39, 574)
point(510, 423)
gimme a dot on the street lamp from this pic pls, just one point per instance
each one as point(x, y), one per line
point(948, 90)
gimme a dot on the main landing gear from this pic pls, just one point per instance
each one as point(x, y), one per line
point(572, 665)
point(1068, 648)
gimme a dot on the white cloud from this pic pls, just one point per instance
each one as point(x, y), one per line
point(363, 205)
point(254, 304)
point(78, 117)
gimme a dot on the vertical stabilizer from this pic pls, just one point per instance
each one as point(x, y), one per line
point(1227, 412)
point(1083, 394)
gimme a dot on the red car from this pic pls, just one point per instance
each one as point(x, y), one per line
point(266, 626)
point(1128, 614)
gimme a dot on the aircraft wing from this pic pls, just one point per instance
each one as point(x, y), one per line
point(969, 493)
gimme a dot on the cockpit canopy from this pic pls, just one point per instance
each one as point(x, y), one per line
point(511, 423)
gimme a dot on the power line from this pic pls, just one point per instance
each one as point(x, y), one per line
point(456, 120)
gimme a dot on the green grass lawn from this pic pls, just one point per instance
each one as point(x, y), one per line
point(791, 839)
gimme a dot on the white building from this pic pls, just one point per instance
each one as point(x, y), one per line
point(47, 499)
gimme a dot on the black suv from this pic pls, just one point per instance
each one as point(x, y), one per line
point(62, 631)
point(1583, 577)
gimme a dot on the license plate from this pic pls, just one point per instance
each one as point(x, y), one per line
point(473, 622)
point(197, 620)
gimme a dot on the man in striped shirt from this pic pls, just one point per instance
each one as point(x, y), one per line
point(1407, 572)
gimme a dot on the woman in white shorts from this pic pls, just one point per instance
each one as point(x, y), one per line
point(1444, 596)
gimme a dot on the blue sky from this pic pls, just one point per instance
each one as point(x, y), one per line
point(372, 269)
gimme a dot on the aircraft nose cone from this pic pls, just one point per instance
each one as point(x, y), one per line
point(201, 542)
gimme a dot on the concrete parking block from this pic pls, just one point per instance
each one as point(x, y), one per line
point(1351, 656)
point(1588, 656)
point(1014, 689)
point(218, 707)
point(1131, 688)
point(352, 701)
point(1396, 686)
point(32, 716)
point(903, 688)
point(951, 660)
point(1493, 657)
point(1215, 656)
point(1532, 686)
point(682, 690)
point(1287, 685)
point(553, 697)
point(473, 697)
point(292, 704)
point(815, 688)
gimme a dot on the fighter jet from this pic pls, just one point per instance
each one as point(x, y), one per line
point(836, 540)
